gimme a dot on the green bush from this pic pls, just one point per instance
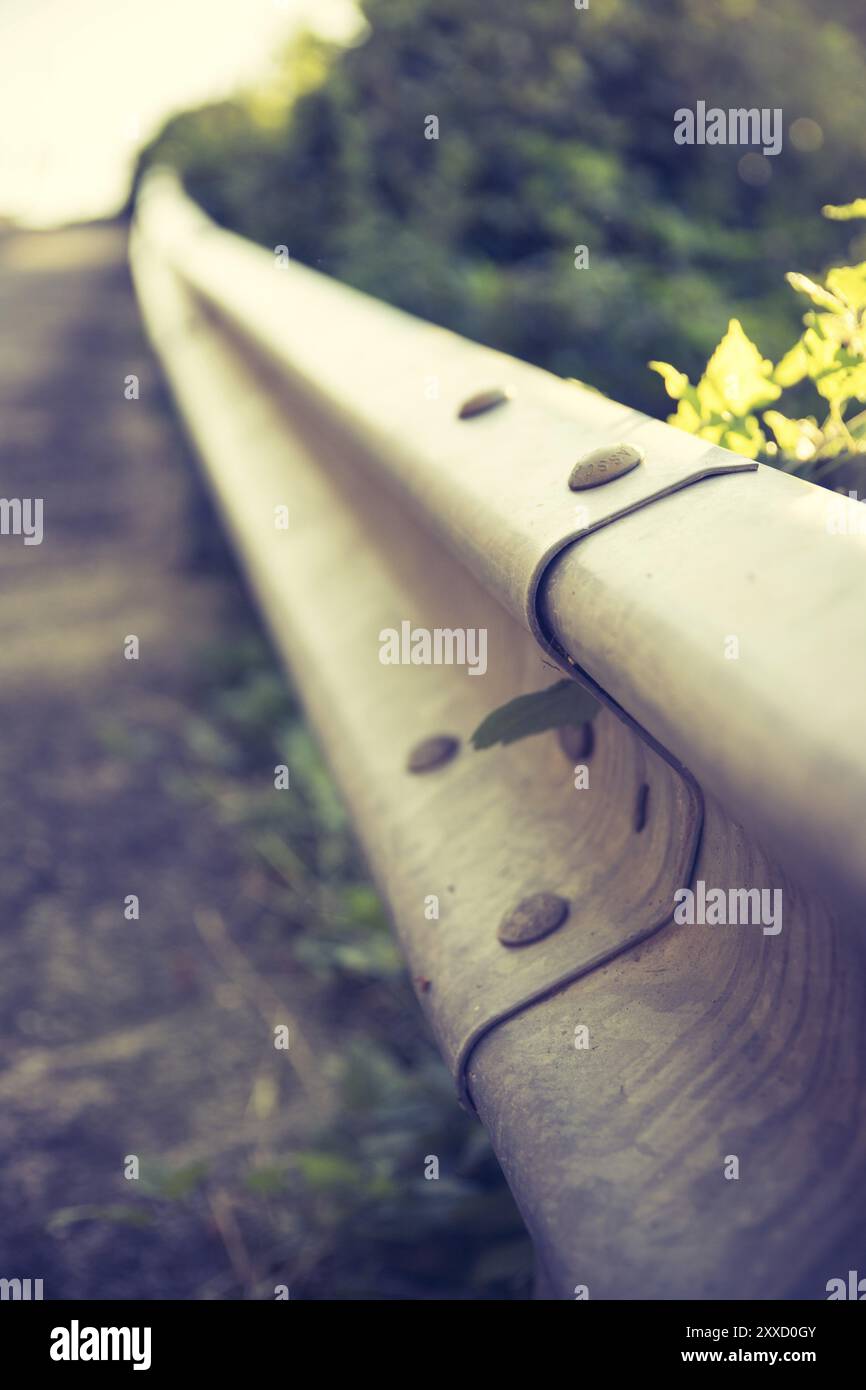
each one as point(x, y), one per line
point(556, 130)
point(829, 357)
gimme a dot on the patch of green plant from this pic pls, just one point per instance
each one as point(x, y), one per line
point(116, 1214)
point(477, 229)
point(729, 404)
point(342, 1207)
point(173, 1185)
point(378, 1226)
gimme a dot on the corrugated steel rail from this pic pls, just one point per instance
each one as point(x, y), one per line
point(623, 1062)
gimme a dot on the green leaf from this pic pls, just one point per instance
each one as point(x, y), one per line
point(737, 378)
point(182, 1182)
point(849, 283)
point(746, 438)
point(843, 212)
point(327, 1172)
point(116, 1214)
point(718, 409)
point(266, 1181)
point(687, 418)
point(566, 702)
point(801, 439)
point(818, 295)
point(676, 383)
point(793, 366)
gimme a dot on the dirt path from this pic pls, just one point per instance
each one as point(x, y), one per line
point(119, 1037)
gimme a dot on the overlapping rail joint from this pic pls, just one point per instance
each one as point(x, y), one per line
point(302, 395)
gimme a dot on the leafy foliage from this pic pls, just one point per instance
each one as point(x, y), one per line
point(830, 356)
point(846, 212)
point(719, 408)
point(556, 129)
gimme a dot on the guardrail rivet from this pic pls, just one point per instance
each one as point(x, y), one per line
point(640, 808)
point(481, 401)
point(603, 465)
point(577, 740)
point(532, 919)
point(432, 752)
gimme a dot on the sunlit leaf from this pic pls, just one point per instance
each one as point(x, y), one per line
point(849, 283)
point(843, 212)
point(818, 295)
point(737, 376)
point(676, 383)
point(748, 440)
point(798, 438)
point(793, 366)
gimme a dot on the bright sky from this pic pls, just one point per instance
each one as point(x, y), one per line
point(84, 82)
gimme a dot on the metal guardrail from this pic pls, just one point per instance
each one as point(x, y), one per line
point(676, 1105)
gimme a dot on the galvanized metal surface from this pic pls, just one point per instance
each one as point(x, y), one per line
point(731, 624)
point(494, 487)
point(483, 830)
point(704, 1042)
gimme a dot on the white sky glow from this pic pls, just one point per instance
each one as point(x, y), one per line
point(83, 83)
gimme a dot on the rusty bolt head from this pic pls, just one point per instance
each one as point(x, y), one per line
point(603, 465)
point(532, 919)
point(482, 401)
point(432, 752)
point(577, 740)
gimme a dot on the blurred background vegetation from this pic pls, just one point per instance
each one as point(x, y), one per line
point(555, 130)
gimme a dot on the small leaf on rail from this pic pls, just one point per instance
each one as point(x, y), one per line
point(566, 702)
